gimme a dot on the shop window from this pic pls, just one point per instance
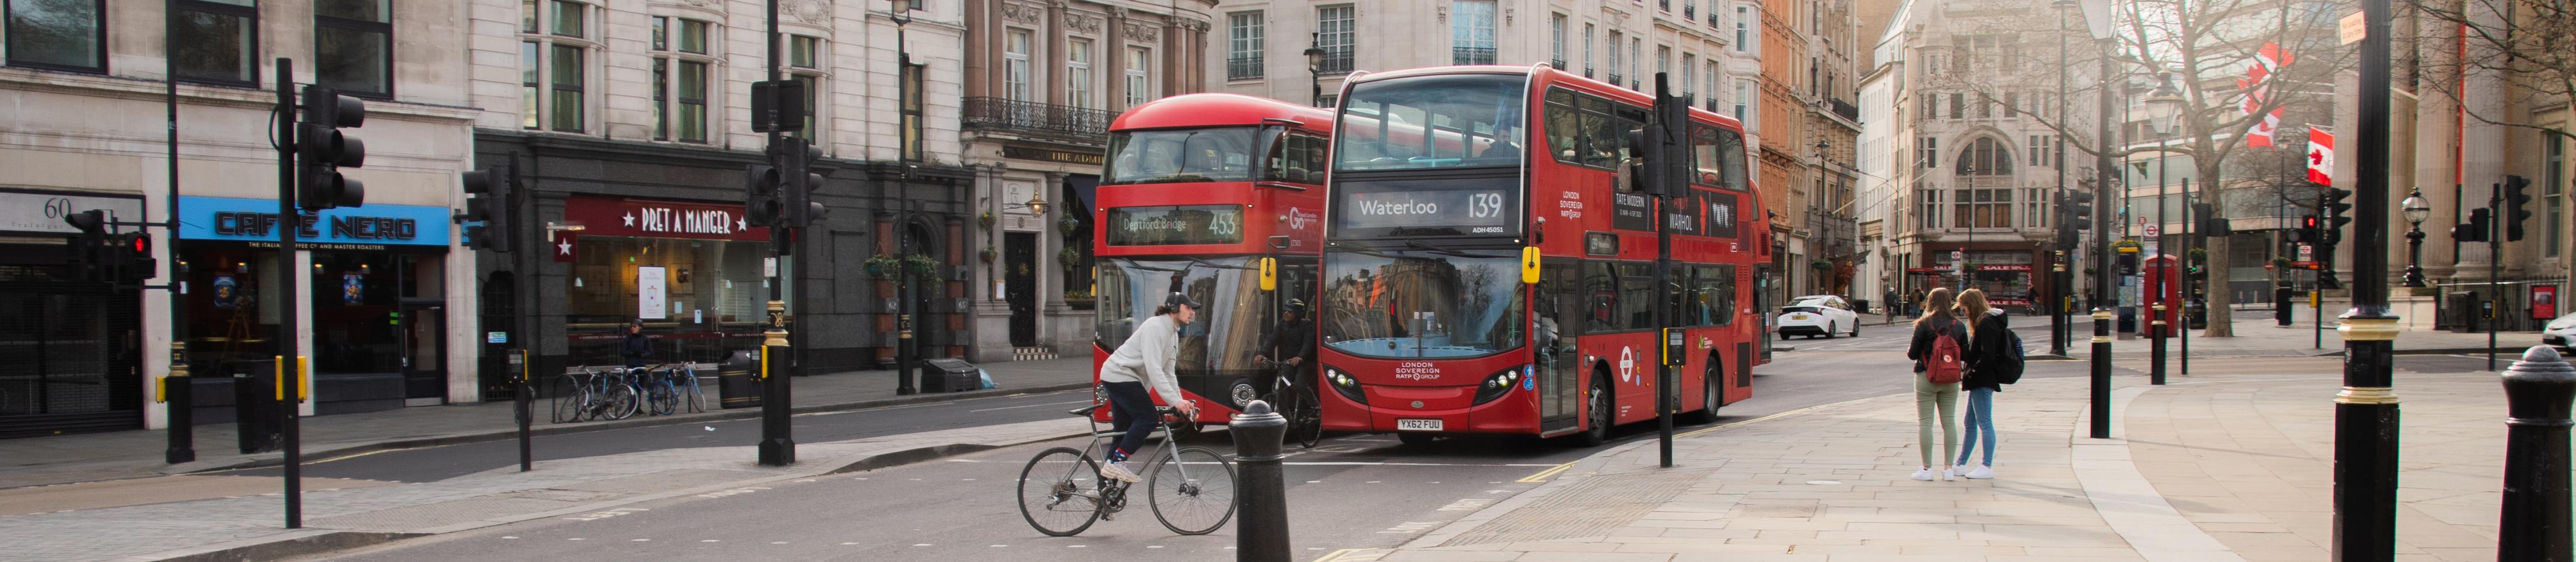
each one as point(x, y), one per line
point(711, 301)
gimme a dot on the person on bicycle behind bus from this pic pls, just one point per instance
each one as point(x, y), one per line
point(1293, 343)
point(1146, 358)
point(636, 348)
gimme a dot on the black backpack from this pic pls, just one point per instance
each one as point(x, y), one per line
point(2008, 371)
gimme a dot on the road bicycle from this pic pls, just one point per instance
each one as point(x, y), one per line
point(1296, 400)
point(1189, 489)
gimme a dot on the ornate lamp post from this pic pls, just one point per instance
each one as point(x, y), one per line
point(2416, 210)
point(1315, 69)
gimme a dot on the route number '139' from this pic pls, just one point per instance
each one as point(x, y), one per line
point(1485, 205)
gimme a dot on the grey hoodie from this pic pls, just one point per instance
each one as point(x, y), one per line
point(1147, 357)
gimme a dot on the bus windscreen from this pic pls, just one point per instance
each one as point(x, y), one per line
point(1441, 121)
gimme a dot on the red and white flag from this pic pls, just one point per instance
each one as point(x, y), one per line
point(2320, 155)
point(2257, 86)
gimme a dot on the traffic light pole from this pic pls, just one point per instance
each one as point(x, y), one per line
point(2101, 359)
point(777, 447)
point(289, 222)
point(2365, 469)
point(177, 392)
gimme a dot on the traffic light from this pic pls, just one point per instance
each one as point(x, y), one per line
point(488, 201)
point(2338, 213)
point(2473, 230)
point(88, 247)
point(2517, 206)
point(322, 149)
point(1662, 147)
point(132, 258)
point(762, 205)
point(2307, 232)
point(2210, 223)
point(797, 166)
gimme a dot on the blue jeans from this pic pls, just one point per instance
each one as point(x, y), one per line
point(1981, 419)
point(1132, 410)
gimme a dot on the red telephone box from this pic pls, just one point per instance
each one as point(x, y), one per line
point(2160, 275)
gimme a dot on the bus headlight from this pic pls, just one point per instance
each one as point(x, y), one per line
point(1343, 384)
point(1498, 385)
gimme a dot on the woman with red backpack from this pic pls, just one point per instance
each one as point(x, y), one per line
point(1940, 359)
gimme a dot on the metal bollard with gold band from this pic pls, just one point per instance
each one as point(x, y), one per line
point(2366, 395)
point(2367, 329)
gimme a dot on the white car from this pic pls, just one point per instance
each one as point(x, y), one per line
point(2561, 333)
point(1818, 315)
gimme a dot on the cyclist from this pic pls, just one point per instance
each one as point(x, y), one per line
point(1146, 358)
point(1294, 343)
point(636, 348)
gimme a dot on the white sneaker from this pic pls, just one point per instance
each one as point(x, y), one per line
point(1982, 472)
point(1949, 474)
point(1118, 471)
point(1924, 474)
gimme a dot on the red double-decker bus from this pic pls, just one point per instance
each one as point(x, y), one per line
point(1443, 177)
point(1198, 191)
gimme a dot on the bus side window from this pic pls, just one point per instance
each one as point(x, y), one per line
point(1603, 283)
point(1638, 311)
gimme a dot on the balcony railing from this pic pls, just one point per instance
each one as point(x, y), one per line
point(1615, 81)
point(1558, 64)
point(1845, 109)
point(1471, 55)
point(1243, 68)
point(1337, 60)
point(1074, 124)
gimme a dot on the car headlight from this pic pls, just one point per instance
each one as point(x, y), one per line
point(1344, 385)
point(1498, 385)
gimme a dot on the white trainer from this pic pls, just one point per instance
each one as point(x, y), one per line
point(1982, 472)
point(1924, 474)
point(1118, 471)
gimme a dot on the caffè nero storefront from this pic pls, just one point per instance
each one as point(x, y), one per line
point(373, 298)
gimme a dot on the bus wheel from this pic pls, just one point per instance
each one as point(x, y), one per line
point(1414, 439)
point(1599, 418)
point(1710, 392)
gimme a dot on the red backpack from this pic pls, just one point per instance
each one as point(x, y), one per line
point(1945, 363)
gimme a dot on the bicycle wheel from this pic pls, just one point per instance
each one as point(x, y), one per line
point(665, 398)
point(571, 397)
point(620, 401)
point(697, 399)
point(1192, 491)
point(1306, 418)
point(1060, 492)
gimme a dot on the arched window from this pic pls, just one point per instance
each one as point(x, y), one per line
point(1984, 157)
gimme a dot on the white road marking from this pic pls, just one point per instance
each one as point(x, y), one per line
point(1386, 463)
point(921, 544)
point(640, 540)
point(510, 537)
point(1030, 406)
point(711, 540)
point(1469, 504)
point(1410, 527)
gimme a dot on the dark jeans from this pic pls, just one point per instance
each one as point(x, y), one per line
point(1132, 410)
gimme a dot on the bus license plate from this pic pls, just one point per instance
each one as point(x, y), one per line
point(1417, 425)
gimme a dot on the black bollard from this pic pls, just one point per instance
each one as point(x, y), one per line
point(2100, 395)
point(2158, 332)
point(1261, 522)
point(2535, 527)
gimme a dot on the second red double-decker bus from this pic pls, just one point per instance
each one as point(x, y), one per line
point(1442, 180)
point(1198, 192)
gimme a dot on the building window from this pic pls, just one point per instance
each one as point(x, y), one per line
point(1077, 77)
point(57, 34)
point(1743, 29)
point(804, 63)
point(1958, 105)
point(1929, 211)
point(2012, 104)
point(680, 76)
point(1711, 77)
point(1743, 96)
point(1556, 41)
point(1985, 157)
point(1985, 107)
point(1690, 73)
point(911, 111)
point(2553, 193)
point(2030, 208)
point(353, 46)
point(2039, 148)
point(215, 41)
point(1636, 50)
point(1614, 58)
point(1928, 153)
point(1471, 32)
point(1983, 208)
point(1931, 105)
point(1243, 48)
point(1587, 50)
point(552, 65)
point(1140, 73)
point(1015, 65)
point(1336, 30)
point(1690, 10)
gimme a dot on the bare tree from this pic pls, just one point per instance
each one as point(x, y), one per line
point(2528, 44)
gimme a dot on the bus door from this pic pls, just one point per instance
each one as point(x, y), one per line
point(1556, 317)
point(1762, 308)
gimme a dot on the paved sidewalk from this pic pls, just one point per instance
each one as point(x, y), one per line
point(133, 454)
point(250, 527)
point(2263, 337)
point(2217, 467)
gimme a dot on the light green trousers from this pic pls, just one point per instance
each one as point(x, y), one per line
point(1945, 397)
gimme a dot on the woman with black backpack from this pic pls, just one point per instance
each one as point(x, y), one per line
point(1939, 352)
point(1989, 349)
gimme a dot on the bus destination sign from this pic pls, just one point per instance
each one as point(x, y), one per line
point(1164, 226)
point(1457, 211)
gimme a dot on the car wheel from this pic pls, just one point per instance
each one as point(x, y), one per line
point(1829, 330)
point(1855, 327)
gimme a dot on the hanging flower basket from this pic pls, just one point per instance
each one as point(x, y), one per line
point(985, 219)
point(1069, 257)
point(987, 254)
point(1821, 264)
point(880, 266)
point(1067, 224)
point(921, 265)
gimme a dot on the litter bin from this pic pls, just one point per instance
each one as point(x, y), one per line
point(738, 379)
point(2281, 305)
point(1860, 306)
point(949, 375)
point(255, 406)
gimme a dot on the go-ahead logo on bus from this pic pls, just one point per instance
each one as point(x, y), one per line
point(1299, 219)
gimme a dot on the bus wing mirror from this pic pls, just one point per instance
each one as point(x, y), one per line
point(1529, 265)
point(1269, 274)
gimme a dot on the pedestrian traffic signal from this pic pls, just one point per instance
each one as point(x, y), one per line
point(2338, 213)
point(797, 158)
point(132, 258)
point(2517, 206)
point(88, 247)
point(762, 205)
point(2307, 232)
point(2210, 223)
point(2472, 230)
point(322, 149)
point(487, 202)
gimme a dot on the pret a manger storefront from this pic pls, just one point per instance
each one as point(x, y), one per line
point(693, 272)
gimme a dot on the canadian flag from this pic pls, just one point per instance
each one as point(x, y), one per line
point(2320, 155)
point(2258, 88)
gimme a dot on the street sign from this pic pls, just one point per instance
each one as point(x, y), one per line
point(2352, 28)
point(1955, 255)
point(2307, 252)
point(2154, 230)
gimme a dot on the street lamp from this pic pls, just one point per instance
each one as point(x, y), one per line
point(2164, 107)
point(2416, 210)
point(901, 12)
point(1315, 69)
point(2098, 20)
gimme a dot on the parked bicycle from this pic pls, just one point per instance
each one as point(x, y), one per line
point(668, 387)
point(1190, 489)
